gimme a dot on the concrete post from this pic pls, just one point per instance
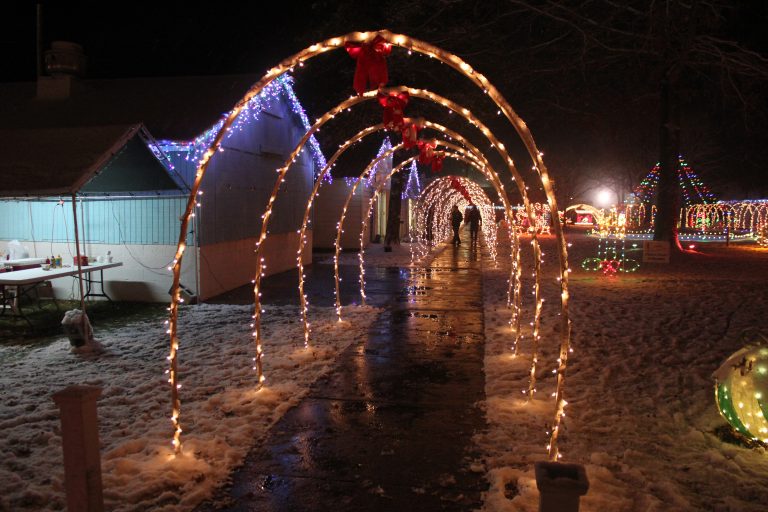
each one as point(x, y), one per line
point(80, 441)
point(560, 486)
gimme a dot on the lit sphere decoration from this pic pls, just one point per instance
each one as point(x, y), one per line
point(741, 390)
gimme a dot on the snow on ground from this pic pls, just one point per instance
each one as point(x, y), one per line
point(221, 413)
point(641, 407)
point(640, 418)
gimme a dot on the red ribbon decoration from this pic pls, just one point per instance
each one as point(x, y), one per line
point(456, 184)
point(410, 132)
point(394, 103)
point(437, 161)
point(371, 70)
point(426, 152)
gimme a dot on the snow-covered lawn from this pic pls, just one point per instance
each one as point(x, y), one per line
point(222, 415)
point(641, 410)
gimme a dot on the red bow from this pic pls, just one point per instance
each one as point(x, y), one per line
point(371, 70)
point(426, 152)
point(394, 103)
point(610, 267)
point(456, 184)
point(437, 161)
point(410, 132)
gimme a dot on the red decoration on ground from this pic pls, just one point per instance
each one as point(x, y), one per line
point(394, 104)
point(610, 267)
point(371, 70)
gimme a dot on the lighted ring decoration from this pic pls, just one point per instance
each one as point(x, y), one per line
point(298, 59)
point(439, 199)
point(460, 154)
point(499, 147)
point(493, 178)
point(490, 174)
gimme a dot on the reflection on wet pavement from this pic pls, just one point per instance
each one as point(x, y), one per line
point(391, 427)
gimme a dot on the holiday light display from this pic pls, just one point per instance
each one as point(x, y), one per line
point(385, 151)
point(706, 222)
point(693, 189)
point(385, 146)
point(461, 154)
point(251, 111)
point(412, 45)
point(439, 198)
point(741, 389)
point(738, 217)
point(473, 153)
point(611, 247)
point(412, 186)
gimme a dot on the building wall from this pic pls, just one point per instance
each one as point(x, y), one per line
point(142, 232)
point(139, 232)
point(327, 210)
point(236, 190)
point(105, 220)
point(229, 265)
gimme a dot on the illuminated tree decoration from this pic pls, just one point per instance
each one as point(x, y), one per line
point(383, 165)
point(693, 189)
point(413, 187)
point(741, 390)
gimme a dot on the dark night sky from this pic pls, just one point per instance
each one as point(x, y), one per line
point(192, 38)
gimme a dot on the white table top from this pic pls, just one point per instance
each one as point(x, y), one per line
point(36, 275)
point(23, 261)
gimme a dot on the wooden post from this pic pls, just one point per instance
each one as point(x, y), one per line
point(80, 442)
point(560, 486)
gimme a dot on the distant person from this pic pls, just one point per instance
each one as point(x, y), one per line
point(456, 217)
point(475, 221)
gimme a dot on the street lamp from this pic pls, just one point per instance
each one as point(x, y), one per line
point(605, 197)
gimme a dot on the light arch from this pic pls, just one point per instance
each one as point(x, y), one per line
point(480, 165)
point(462, 67)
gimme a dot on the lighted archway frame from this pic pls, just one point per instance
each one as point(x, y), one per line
point(492, 176)
point(459, 154)
point(419, 93)
point(438, 198)
point(411, 45)
point(341, 107)
point(344, 105)
point(478, 197)
point(514, 297)
point(319, 181)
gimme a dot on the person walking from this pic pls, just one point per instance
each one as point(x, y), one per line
point(456, 217)
point(475, 221)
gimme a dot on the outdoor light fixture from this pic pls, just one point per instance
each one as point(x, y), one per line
point(605, 197)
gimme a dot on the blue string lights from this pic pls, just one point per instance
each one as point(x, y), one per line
point(413, 187)
point(282, 85)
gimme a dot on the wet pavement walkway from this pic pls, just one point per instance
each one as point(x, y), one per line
point(391, 427)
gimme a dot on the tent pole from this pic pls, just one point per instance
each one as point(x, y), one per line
point(77, 257)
